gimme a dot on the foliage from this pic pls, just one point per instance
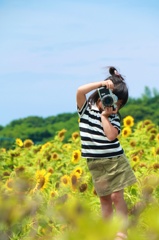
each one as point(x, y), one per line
point(41, 130)
point(144, 107)
point(46, 190)
point(38, 129)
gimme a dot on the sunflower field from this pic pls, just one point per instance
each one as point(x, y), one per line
point(46, 190)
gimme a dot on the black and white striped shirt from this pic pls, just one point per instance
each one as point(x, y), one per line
point(94, 142)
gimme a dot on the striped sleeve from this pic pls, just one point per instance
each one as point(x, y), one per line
point(115, 121)
point(83, 109)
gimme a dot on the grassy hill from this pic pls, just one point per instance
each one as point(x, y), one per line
point(41, 130)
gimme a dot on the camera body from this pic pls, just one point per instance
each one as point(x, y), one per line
point(107, 98)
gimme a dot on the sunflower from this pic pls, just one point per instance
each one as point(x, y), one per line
point(75, 173)
point(156, 165)
point(74, 180)
point(50, 170)
point(78, 170)
point(153, 151)
point(55, 156)
point(153, 131)
point(76, 155)
point(135, 159)
point(157, 151)
point(19, 142)
point(47, 144)
point(28, 143)
point(128, 121)
point(147, 122)
point(126, 131)
point(61, 134)
point(157, 137)
point(9, 184)
point(75, 135)
point(6, 174)
point(67, 146)
point(53, 194)
point(83, 187)
point(42, 178)
point(15, 153)
point(150, 127)
point(3, 150)
point(132, 143)
point(142, 164)
point(65, 180)
point(152, 137)
point(19, 169)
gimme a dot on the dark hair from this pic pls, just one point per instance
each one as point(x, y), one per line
point(120, 87)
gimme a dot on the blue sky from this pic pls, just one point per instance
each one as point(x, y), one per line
point(49, 48)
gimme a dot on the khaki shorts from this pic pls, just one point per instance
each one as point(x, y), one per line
point(111, 174)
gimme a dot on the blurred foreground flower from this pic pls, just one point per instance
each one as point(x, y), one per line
point(9, 184)
point(157, 137)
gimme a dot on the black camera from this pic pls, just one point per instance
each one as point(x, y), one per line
point(107, 98)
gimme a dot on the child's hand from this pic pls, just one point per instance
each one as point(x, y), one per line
point(109, 111)
point(108, 84)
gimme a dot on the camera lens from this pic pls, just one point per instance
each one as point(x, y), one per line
point(107, 101)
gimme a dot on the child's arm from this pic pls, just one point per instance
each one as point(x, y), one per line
point(110, 131)
point(84, 89)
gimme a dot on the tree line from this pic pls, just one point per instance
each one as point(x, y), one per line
point(41, 130)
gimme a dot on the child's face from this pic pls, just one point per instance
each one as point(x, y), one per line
point(119, 103)
point(100, 105)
